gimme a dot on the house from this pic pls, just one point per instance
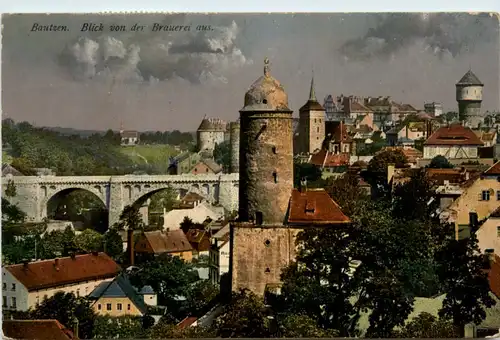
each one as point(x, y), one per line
point(206, 166)
point(330, 162)
point(410, 131)
point(200, 241)
point(488, 235)
point(412, 154)
point(129, 138)
point(118, 297)
point(219, 255)
point(48, 329)
point(481, 196)
point(453, 142)
point(197, 213)
point(489, 137)
point(433, 109)
point(183, 163)
point(173, 242)
point(24, 285)
point(337, 138)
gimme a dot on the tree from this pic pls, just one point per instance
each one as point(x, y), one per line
point(303, 326)
point(440, 162)
point(130, 218)
point(427, 326)
point(10, 189)
point(113, 243)
point(307, 171)
point(244, 317)
point(378, 164)
point(201, 295)
point(222, 155)
point(461, 270)
point(89, 241)
point(11, 213)
point(68, 310)
point(346, 192)
point(168, 275)
point(167, 330)
point(124, 327)
point(163, 199)
point(58, 243)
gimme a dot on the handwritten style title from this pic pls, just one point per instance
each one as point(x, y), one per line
point(100, 27)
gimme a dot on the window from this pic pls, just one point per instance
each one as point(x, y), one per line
point(108, 306)
point(485, 195)
point(498, 195)
point(99, 307)
point(4, 286)
point(275, 176)
point(498, 231)
point(317, 129)
point(128, 306)
point(267, 243)
point(14, 302)
point(195, 169)
point(13, 287)
point(78, 292)
point(4, 301)
point(259, 217)
point(119, 306)
point(268, 270)
point(206, 170)
point(274, 149)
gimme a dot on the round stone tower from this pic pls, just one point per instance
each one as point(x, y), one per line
point(266, 152)
point(234, 141)
point(469, 98)
point(210, 132)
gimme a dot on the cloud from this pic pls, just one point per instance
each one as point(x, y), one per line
point(198, 57)
point(442, 33)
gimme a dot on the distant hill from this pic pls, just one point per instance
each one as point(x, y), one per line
point(70, 131)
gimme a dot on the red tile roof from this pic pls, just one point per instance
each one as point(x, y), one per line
point(36, 330)
point(325, 158)
point(66, 270)
point(454, 176)
point(173, 241)
point(314, 207)
point(411, 154)
point(358, 107)
point(199, 239)
point(188, 321)
point(455, 134)
point(494, 275)
point(495, 213)
point(493, 170)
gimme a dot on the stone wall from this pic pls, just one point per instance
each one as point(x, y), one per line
point(116, 192)
point(259, 255)
point(234, 141)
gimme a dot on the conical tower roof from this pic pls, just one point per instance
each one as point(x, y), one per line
point(470, 79)
point(312, 103)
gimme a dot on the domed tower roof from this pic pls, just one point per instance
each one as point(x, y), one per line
point(470, 79)
point(210, 124)
point(266, 93)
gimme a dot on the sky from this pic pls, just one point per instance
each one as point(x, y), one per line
point(151, 81)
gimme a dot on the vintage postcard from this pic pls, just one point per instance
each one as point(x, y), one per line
point(250, 175)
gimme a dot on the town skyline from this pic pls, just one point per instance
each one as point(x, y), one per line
point(103, 80)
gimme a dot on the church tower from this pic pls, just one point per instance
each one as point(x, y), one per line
point(311, 124)
point(266, 152)
point(469, 98)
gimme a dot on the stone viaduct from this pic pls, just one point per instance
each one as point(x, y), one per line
point(34, 192)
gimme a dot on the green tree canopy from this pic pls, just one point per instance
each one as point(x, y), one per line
point(89, 241)
point(440, 162)
point(222, 155)
point(427, 326)
point(68, 310)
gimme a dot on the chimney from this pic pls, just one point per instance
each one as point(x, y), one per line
point(56, 262)
point(130, 245)
point(95, 253)
point(303, 184)
point(390, 172)
point(73, 256)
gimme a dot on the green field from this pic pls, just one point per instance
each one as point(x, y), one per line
point(149, 154)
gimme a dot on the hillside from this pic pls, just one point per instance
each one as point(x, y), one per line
point(31, 147)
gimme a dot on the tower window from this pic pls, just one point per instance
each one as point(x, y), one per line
point(275, 176)
point(264, 101)
point(259, 218)
point(268, 270)
point(274, 149)
point(268, 243)
point(317, 129)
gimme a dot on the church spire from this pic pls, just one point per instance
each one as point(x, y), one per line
point(312, 94)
